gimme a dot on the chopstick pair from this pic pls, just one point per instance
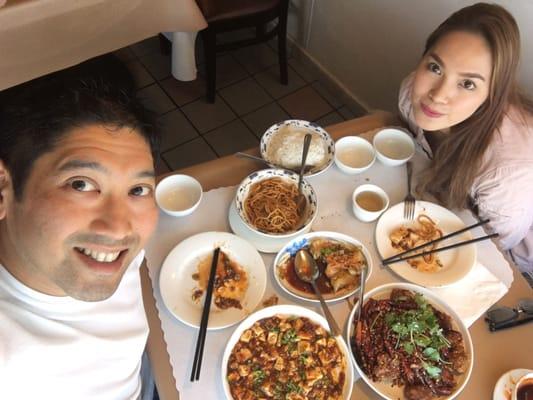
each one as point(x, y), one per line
point(400, 256)
point(200, 341)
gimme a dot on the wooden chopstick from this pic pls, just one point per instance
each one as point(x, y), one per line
point(452, 246)
point(449, 235)
point(200, 341)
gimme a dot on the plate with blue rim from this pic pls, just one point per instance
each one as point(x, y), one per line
point(320, 135)
point(283, 270)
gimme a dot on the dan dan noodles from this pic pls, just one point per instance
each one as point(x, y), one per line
point(271, 206)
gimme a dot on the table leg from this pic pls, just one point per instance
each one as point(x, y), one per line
point(183, 56)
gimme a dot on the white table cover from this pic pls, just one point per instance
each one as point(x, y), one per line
point(487, 282)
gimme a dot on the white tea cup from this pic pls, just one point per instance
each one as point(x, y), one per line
point(178, 195)
point(368, 202)
point(526, 380)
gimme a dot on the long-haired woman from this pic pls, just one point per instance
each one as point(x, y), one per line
point(467, 112)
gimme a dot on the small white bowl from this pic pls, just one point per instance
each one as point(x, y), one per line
point(178, 195)
point(353, 154)
point(372, 209)
point(393, 146)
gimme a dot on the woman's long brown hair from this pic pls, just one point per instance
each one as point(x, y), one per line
point(459, 155)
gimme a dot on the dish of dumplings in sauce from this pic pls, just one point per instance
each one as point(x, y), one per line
point(340, 264)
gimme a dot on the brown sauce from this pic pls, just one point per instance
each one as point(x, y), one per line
point(525, 392)
point(369, 201)
point(322, 283)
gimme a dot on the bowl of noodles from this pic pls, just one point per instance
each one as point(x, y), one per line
point(266, 203)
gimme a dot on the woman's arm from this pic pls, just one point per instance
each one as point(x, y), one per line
point(505, 196)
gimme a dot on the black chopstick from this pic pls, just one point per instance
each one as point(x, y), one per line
point(449, 235)
point(200, 341)
point(452, 246)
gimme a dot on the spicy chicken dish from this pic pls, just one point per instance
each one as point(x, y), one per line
point(340, 264)
point(404, 341)
point(231, 282)
point(284, 357)
point(426, 230)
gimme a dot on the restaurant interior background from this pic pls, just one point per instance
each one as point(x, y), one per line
point(378, 42)
point(346, 58)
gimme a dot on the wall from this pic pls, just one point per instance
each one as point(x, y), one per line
point(370, 45)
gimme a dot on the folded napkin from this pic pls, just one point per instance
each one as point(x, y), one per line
point(474, 294)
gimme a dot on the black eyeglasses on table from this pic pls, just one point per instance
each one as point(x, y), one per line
point(506, 317)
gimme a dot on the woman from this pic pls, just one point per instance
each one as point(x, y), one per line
point(464, 106)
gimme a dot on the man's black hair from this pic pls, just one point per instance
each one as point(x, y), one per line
point(36, 114)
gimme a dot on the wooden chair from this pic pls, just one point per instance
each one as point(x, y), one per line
point(230, 15)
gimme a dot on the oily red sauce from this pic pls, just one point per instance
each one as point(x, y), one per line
point(322, 283)
point(525, 392)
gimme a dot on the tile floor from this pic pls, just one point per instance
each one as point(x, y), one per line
point(249, 100)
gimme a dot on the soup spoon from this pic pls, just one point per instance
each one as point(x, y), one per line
point(307, 168)
point(307, 270)
point(301, 202)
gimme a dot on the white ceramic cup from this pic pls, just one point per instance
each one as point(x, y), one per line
point(525, 380)
point(393, 146)
point(354, 154)
point(368, 202)
point(178, 195)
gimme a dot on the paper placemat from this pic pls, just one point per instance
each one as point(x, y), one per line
point(487, 282)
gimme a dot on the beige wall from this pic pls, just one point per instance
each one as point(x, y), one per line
point(370, 45)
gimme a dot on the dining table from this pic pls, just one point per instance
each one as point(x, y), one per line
point(38, 37)
point(494, 353)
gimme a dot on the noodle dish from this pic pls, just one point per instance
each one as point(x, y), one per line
point(266, 202)
point(410, 345)
point(339, 258)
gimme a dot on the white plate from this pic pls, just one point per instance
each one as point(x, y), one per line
point(457, 262)
point(177, 285)
point(260, 242)
point(327, 142)
point(285, 310)
point(301, 241)
point(505, 385)
point(395, 392)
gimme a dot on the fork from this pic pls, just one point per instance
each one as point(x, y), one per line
point(409, 201)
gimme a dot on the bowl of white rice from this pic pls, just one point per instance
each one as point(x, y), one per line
point(281, 146)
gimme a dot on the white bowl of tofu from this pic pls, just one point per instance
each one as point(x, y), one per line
point(286, 351)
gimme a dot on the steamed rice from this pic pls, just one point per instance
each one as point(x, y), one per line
point(286, 146)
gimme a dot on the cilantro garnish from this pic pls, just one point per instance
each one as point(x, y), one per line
point(418, 331)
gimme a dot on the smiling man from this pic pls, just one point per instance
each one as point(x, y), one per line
point(76, 209)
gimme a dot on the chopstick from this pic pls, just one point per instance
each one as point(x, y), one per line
point(200, 341)
point(452, 246)
point(449, 235)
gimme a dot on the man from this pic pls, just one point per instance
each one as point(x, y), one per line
point(76, 208)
